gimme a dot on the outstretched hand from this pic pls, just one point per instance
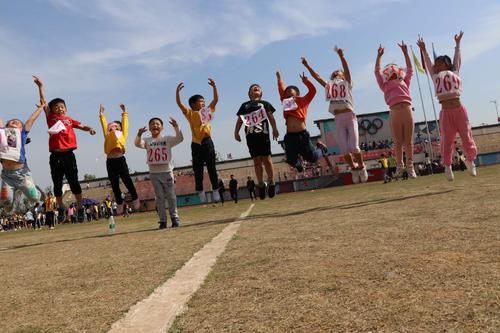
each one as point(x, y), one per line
point(123, 107)
point(304, 61)
point(141, 131)
point(173, 122)
point(101, 109)
point(339, 51)
point(92, 131)
point(303, 77)
point(180, 86)
point(37, 81)
point(458, 37)
point(278, 75)
point(211, 82)
point(421, 43)
point(380, 50)
point(403, 46)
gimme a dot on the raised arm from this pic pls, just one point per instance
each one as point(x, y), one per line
point(281, 85)
point(311, 88)
point(409, 66)
point(345, 66)
point(428, 62)
point(124, 109)
point(102, 119)
point(41, 92)
point(183, 108)
point(378, 75)
point(216, 95)
point(138, 142)
point(315, 75)
point(33, 117)
point(178, 134)
point(457, 59)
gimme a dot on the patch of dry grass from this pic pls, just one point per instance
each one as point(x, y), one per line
point(414, 256)
point(77, 279)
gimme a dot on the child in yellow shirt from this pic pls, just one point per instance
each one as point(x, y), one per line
point(199, 115)
point(115, 139)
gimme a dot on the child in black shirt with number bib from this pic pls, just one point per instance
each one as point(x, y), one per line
point(256, 115)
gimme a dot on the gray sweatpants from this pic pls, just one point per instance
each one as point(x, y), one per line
point(163, 184)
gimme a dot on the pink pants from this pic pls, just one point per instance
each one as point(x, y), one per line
point(402, 134)
point(347, 132)
point(452, 121)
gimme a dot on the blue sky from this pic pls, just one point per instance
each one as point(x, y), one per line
point(136, 52)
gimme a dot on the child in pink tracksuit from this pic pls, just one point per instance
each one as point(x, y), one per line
point(453, 117)
point(338, 93)
point(395, 84)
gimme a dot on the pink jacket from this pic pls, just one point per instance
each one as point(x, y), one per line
point(395, 91)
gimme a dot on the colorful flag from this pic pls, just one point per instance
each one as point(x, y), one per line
point(418, 66)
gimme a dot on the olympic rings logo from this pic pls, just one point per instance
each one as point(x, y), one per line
point(371, 126)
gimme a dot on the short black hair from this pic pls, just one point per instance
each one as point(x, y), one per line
point(53, 102)
point(119, 123)
point(447, 60)
point(193, 99)
point(154, 118)
point(294, 88)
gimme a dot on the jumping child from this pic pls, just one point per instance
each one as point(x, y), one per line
point(395, 84)
point(159, 159)
point(338, 91)
point(62, 142)
point(256, 115)
point(297, 140)
point(115, 139)
point(453, 117)
point(16, 175)
point(199, 117)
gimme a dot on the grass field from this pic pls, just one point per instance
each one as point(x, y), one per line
point(415, 256)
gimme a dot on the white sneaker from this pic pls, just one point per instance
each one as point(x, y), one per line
point(471, 168)
point(411, 172)
point(355, 176)
point(448, 173)
point(202, 196)
point(363, 175)
point(215, 195)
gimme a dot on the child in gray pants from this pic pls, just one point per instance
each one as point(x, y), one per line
point(159, 159)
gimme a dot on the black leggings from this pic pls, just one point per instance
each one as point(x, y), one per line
point(118, 168)
point(202, 154)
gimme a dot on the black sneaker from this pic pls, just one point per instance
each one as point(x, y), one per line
point(163, 225)
point(272, 190)
point(176, 224)
point(60, 215)
point(262, 191)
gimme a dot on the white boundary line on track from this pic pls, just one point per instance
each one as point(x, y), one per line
point(157, 312)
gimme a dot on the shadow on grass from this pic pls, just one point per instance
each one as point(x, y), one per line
point(251, 217)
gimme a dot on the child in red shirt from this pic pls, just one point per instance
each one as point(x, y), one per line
point(297, 140)
point(62, 142)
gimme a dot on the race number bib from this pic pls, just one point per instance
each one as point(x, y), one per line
point(289, 104)
point(254, 118)
point(206, 115)
point(118, 134)
point(336, 90)
point(447, 82)
point(57, 127)
point(158, 155)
